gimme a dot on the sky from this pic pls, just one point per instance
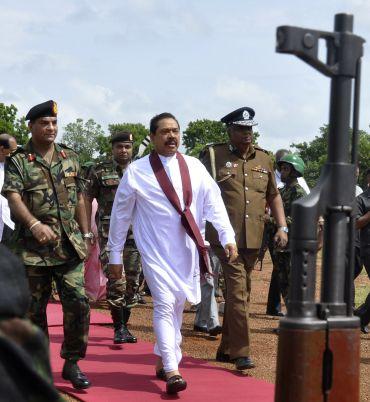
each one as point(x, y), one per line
point(121, 61)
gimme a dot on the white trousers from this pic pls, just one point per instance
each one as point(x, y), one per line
point(168, 310)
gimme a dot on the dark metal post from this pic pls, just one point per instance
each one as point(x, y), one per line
point(318, 351)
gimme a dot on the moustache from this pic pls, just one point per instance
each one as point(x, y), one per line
point(170, 142)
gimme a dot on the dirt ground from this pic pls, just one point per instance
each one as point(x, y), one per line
point(264, 341)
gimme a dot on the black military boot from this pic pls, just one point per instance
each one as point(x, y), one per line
point(72, 372)
point(120, 317)
point(129, 338)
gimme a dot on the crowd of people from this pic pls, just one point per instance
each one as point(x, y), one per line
point(188, 226)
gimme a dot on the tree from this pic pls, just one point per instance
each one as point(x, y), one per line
point(138, 130)
point(84, 138)
point(11, 124)
point(199, 133)
point(315, 153)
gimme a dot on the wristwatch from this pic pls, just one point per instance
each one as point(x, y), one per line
point(284, 229)
point(89, 235)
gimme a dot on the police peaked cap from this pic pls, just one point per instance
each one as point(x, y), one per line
point(122, 136)
point(45, 109)
point(240, 117)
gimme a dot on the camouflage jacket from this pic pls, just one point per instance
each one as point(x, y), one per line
point(288, 195)
point(103, 181)
point(50, 193)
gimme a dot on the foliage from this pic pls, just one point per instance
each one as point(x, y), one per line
point(138, 130)
point(314, 154)
point(199, 133)
point(84, 138)
point(11, 124)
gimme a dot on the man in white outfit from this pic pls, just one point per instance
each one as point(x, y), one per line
point(168, 197)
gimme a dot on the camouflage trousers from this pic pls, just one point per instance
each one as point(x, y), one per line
point(282, 264)
point(123, 291)
point(69, 280)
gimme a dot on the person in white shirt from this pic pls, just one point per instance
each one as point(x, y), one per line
point(8, 144)
point(171, 259)
point(359, 190)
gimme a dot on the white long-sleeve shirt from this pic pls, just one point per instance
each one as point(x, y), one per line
point(168, 253)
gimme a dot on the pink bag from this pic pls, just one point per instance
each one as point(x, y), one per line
point(95, 280)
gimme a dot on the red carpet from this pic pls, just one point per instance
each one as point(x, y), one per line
point(55, 316)
point(126, 373)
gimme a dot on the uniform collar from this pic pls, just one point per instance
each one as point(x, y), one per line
point(34, 155)
point(234, 150)
point(117, 167)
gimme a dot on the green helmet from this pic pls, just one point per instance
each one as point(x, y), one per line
point(294, 160)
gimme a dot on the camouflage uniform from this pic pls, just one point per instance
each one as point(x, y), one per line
point(103, 183)
point(50, 194)
point(281, 258)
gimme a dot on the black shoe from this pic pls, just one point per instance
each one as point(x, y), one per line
point(200, 329)
point(365, 329)
point(244, 363)
point(123, 335)
point(222, 357)
point(141, 300)
point(175, 384)
point(276, 331)
point(275, 313)
point(215, 331)
point(72, 372)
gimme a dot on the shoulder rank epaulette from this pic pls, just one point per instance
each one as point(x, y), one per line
point(66, 147)
point(261, 149)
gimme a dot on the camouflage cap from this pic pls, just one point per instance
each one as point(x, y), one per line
point(45, 109)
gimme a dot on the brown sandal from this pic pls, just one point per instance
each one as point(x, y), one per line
point(175, 384)
point(161, 374)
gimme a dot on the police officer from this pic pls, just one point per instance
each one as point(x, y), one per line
point(103, 183)
point(42, 184)
point(291, 166)
point(245, 175)
point(363, 225)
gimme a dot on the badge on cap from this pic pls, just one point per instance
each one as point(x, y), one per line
point(246, 115)
point(55, 108)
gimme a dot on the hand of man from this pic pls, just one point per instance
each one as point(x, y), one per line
point(280, 239)
point(88, 245)
point(43, 233)
point(231, 251)
point(115, 271)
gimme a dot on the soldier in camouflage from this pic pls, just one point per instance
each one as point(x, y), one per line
point(103, 184)
point(25, 372)
point(43, 187)
point(291, 167)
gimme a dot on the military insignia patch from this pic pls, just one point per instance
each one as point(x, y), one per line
point(31, 157)
point(260, 169)
point(228, 164)
point(55, 108)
